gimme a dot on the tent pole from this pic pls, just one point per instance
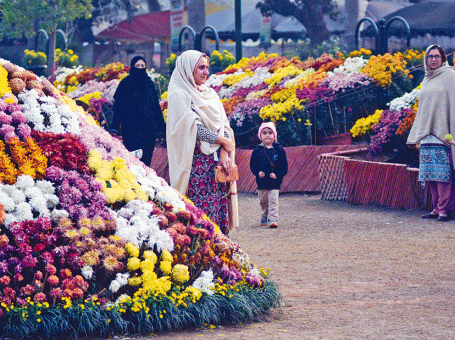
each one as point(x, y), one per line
point(238, 30)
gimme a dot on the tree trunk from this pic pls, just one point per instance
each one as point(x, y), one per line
point(314, 23)
point(352, 18)
point(51, 51)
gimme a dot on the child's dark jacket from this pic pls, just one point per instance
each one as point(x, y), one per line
point(260, 162)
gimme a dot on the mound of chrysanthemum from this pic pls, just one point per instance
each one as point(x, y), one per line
point(94, 242)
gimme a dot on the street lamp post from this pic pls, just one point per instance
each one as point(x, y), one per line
point(238, 30)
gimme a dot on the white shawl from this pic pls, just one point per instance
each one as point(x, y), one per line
point(187, 107)
point(436, 112)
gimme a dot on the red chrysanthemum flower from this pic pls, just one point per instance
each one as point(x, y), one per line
point(53, 280)
point(66, 273)
point(40, 297)
point(50, 269)
point(5, 280)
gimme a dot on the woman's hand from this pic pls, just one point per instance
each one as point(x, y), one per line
point(226, 143)
point(225, 161)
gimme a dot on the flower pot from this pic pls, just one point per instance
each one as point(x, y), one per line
point(39, 70)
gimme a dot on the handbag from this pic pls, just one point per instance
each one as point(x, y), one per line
point(222, 177)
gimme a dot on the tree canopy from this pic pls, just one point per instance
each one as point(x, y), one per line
point(309, 12)
point(25, 16)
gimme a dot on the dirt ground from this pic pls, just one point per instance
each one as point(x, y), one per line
point(347, 272)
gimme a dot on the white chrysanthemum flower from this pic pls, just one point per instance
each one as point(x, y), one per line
point(48, 108)
point(10, 218)
point(87, 272)
point(73, 127)
point(171, 196)
point(215, 79)
point(8, 203)
point(350, 65)
point(49, 100)
point(114, 286)
point(134, 205)
point(162, 240)
point(138, 170)
point(64, 111)
point(45, 186)
point(32, 192)
point(18, 196)
point(147, 207)
point(23, 211)
point(148, 182)
point(255, 272)
point(404, 102)
point(24, 181)
point(51, 200)
point(57, 214)
point(241, 258)
point(205, 282)
point(40, 127)
point(38, 203)
point(122, 278)
point(125, 213)
point(55, 120)
point(7, 189)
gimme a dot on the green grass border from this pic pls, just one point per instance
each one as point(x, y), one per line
point(242, 306)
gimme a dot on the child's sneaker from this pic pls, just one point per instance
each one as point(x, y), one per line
point(263, 221)
point(273, 225)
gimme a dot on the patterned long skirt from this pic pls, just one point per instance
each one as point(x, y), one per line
point(205, 193)
point(435, 163)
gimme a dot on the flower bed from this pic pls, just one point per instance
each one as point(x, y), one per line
point(94, 88)
point(309, 100)
point(386, 131)
point(92, 241)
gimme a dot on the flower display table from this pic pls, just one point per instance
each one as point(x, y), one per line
point(347, 176)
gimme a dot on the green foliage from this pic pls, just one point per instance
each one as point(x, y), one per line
point(221, 59)
point(170, 62)
point(32, 58)
point(160, 80)
point(23, 16)
point(66, 58)
point(401, 84)
point(240, 304)
point(331, 46)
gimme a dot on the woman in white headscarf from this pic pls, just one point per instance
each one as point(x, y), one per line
point(434, 120)
point(198, 137)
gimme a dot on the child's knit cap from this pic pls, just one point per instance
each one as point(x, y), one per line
point(270, 125)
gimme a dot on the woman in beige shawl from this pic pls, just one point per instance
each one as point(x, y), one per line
point(198, 137)
point(434, 120)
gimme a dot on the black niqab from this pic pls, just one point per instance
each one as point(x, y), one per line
point(136, 110)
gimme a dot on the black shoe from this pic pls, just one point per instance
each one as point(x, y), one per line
point(443, 218)
point(430, 216)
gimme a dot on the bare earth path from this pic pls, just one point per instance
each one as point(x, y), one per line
point(347, 272)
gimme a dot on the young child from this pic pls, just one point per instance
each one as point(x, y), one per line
point(269, 164)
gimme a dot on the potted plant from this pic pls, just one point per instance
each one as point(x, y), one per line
point(35, 62)
point(66, 58)
point(220, 60)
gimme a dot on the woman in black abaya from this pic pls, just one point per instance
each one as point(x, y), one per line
point(137, 112)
